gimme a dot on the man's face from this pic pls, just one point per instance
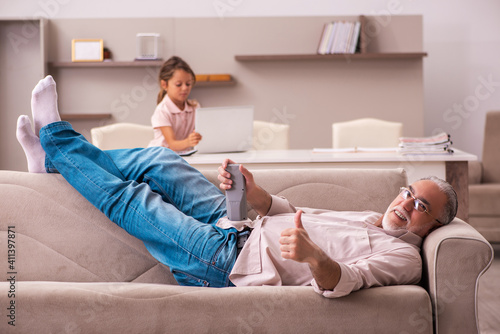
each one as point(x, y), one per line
point(402, 214)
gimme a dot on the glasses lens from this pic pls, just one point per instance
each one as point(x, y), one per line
point(420, 206)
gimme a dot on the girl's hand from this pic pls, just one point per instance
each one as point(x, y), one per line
point(179, 145)
point(193, 139)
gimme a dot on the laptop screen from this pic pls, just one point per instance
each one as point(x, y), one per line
point(224, 129)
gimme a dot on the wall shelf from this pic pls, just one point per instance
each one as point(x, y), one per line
point(231, 82)
point(138, 63)
point(133, 64)
point(361, 56)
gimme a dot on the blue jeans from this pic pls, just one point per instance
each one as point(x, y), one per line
point(155, 196)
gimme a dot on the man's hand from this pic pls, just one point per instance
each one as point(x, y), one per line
point(258, 198)
point(295, 244)
point(225, 177)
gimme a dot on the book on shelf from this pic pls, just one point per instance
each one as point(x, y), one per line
point(354, 41)
point(325, 36)
point(339, 37)
point(339, 40)
point(437, 144)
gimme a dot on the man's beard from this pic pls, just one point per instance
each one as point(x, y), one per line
point(389, 225)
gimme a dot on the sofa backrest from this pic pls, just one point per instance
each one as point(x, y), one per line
point(491, 153)
point(62, 237)
point(331, 188)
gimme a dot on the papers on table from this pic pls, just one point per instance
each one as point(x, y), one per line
point(355, 149)
point(438, 144)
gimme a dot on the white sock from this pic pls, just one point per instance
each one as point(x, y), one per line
point(44, 103)
point(31, 145)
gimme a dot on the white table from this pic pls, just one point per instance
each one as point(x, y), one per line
point(452, 167)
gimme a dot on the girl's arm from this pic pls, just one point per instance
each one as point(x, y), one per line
point(179, 145)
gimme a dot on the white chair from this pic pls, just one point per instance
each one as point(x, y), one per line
point(270, 136)
point(121, 135)
point(366, 132)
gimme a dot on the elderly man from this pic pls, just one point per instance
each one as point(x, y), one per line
point(181, 217)
point(344, 251)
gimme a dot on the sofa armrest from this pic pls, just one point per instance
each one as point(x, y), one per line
point(455, 256)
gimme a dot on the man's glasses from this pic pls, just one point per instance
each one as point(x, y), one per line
point(418, 204)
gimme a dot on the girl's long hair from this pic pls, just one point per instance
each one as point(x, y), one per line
point(167, 72)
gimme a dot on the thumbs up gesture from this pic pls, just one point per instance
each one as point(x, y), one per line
point(295, 243)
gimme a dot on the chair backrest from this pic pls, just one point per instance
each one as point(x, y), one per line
point(491, 151)
point(270, 136)
point(366, 132)
point(121, 135)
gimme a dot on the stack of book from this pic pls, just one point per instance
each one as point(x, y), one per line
point(438, 144)
point(339, 37)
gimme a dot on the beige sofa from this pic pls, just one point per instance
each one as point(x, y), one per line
point(71, 270)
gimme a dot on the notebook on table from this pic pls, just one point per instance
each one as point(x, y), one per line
point(224, 129)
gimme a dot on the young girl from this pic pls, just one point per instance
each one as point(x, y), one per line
point(173, 119)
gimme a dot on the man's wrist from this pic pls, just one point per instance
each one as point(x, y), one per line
point(260, 200)
point(318, 260)
point(326, 272)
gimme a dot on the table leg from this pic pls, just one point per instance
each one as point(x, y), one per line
point(457, 174)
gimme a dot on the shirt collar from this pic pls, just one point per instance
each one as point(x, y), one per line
point(406, 236)
point(403, 235)
point(173, 108)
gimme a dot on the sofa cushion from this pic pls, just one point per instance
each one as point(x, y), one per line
point(68, 239)
point(155, 308)
point(484, 199)
point(484, 211)
point(489, 227)
point(491, 154)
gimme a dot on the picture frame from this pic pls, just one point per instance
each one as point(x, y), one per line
point(87, 50)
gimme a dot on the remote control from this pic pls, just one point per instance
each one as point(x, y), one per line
point(236, 197)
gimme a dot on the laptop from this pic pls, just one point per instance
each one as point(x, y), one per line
point(224, 129)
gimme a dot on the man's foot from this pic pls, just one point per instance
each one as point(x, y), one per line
point(31, 145)
point(44, 103)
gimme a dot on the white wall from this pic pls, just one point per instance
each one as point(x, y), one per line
point(461, 73)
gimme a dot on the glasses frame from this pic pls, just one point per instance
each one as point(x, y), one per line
point(417, 203)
